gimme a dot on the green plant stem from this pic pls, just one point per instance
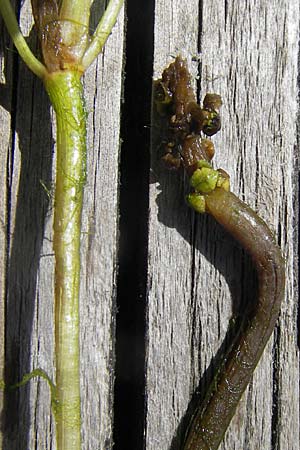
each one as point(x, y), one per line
point(66, 53)
point(65, 92)
point(102, 32)
point(24, 51)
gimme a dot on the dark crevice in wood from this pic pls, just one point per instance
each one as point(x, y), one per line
point(129, 394)
point(296, 204)
point(11, 106)
point(248, 426)
point(297, 246)
point(276, 409)
point(225, 12)
point(200, 27)
point(193, 306)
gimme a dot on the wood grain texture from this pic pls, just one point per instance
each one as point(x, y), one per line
point(27, 161)
point(197, 274)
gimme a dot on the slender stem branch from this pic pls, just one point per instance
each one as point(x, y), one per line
point(102, 32)
point(65, 91)
point(11, 23)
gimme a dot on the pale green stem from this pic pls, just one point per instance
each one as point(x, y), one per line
point(65, 92)
point(75, 10)
point(74, 18)
point(12, 26)
point(102, 31)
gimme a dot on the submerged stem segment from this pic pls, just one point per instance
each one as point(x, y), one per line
point(65, 91)
point(213, 417)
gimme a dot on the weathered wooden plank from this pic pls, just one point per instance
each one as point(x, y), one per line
point(5, 101)
point(28, 161)
point(197, 274)
point(100, 242)
point(170, 255)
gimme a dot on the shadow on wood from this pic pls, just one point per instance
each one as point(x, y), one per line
point(31, 126)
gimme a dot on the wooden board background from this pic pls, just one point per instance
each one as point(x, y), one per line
point(161, 280)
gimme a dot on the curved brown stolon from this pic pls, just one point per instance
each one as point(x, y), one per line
point(184, 121)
